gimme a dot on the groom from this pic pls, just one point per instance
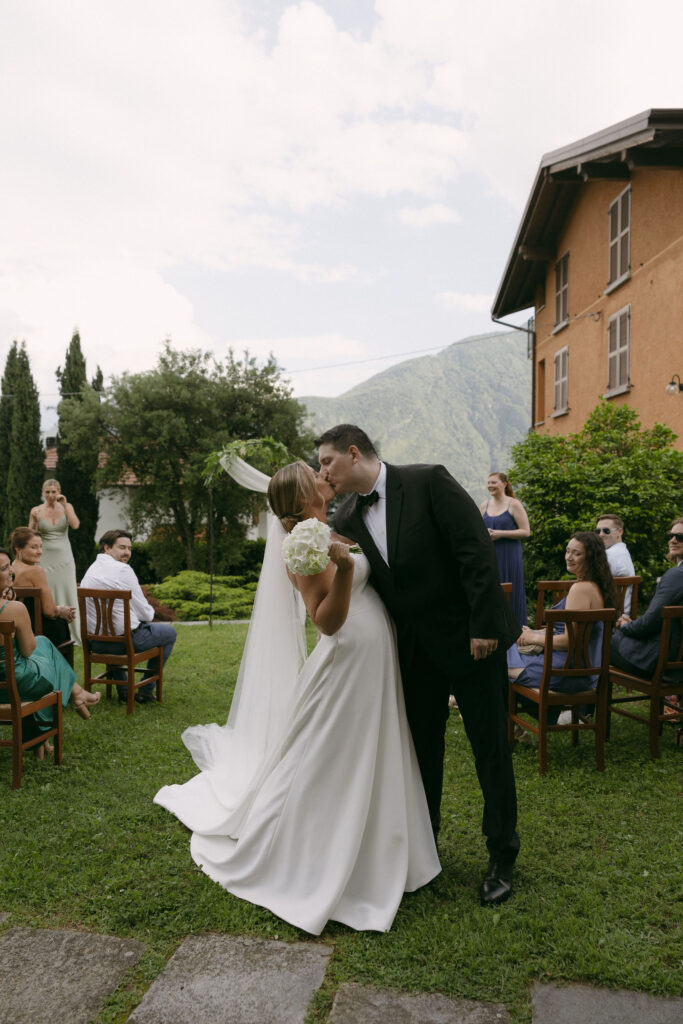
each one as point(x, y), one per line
point(434, 566)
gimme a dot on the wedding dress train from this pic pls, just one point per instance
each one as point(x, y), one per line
point(333, 823)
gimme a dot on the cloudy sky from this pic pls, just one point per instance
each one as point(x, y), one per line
point(338, 182)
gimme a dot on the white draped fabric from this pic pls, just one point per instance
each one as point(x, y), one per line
point(244, 474)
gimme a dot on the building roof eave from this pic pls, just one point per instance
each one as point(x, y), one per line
point(611, 153)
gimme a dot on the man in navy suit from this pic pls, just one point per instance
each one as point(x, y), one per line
point(635, 644)
point(434, 566)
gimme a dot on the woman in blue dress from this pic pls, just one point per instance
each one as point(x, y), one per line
point(508, 525)
point(594, 588)
point(39, 668)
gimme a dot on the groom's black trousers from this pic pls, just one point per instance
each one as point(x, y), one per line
point(482, 701)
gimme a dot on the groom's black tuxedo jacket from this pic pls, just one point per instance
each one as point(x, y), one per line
point(442, 579)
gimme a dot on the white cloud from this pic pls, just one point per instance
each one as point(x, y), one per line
point(426, 216)
point(149, 136)
point(471, 303)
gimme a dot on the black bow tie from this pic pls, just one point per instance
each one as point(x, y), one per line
point(367, 499)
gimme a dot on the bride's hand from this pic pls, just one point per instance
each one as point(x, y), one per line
point(340, 554)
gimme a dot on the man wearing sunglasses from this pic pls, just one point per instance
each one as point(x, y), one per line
point(635, 645)
point(610, 529)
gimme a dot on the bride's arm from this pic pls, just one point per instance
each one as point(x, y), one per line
point(327, 594)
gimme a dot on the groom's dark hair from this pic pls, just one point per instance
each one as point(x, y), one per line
point(344, 435)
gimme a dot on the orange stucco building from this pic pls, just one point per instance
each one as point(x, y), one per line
point(599, 258)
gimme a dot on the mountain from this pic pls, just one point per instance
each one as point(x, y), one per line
point(463, 407)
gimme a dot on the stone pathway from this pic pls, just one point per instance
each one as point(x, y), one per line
point(48, 976)
point(216, 979)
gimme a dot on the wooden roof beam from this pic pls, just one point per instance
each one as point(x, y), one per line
point(664, 157)
point(536, 253)
point(604, 172)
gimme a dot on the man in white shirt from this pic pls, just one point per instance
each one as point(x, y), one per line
point(110, 571)
point(610, 529)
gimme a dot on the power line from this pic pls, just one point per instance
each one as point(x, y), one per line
point(393, 355)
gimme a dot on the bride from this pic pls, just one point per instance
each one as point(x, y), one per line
point(309, 800)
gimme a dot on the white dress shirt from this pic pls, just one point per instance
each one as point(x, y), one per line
point(620, 564)
point(375, 516)
point(107, 574)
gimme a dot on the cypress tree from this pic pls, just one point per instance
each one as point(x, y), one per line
point(26, 468)
point(77, 460)
point(7, 389)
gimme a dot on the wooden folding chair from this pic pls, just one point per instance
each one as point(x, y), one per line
point(577, 663)
point(658, 688)
point(13, 712)
point(30, 596)
point(102, 614)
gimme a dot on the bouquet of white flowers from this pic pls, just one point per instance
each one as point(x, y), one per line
point(305, 548)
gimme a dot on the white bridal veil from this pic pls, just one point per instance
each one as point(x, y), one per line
point(235, 755)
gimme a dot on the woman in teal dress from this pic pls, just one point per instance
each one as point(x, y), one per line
point(52, 520)
point(38, 665)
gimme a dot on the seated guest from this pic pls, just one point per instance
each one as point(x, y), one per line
point(27, 546)
point(38, 666)
point(610, 529)
point(585, 558)
point(110, 571)
point(635, 644)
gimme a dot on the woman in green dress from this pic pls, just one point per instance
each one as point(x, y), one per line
point(38, 665)
point(52, 520)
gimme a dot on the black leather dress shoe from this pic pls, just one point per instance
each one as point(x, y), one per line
point(145, 698)
point(497, 885)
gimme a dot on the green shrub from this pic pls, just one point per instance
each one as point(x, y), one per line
point(611, 465)
point(189, 594)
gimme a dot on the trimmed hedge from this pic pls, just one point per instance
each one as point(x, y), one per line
point(188, 595)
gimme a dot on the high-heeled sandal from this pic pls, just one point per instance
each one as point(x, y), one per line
point(81, 706)
point(43, 749)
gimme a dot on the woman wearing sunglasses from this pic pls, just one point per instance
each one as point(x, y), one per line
point(635, 644)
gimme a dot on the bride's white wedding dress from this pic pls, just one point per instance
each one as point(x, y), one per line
point(334, 825)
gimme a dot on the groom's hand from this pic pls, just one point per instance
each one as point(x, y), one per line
point(482, 648)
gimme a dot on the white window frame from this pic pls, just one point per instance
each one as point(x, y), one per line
point(561, 371)
point(618, 352)
point(619, 226)
point(562, 292)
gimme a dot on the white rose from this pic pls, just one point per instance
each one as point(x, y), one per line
point(305, 548)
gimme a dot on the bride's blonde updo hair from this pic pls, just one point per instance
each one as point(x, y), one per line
point(291, 488)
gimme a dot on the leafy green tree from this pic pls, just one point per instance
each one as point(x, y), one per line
point(610, 465)
point(77, 458)
point(157, 430)
point(25, 457)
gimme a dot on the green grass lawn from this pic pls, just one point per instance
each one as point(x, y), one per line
point(598, 886)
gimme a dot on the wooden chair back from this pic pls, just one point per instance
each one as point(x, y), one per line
point(30, 596)
point(658, 688)
point(549, 592)
point(13, 710)
point(101, 604)
point(622, 583)
point(577, 663)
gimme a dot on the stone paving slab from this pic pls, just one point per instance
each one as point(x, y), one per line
point(48, 976)
point(576, 1004)
point(225, 979)
point(3, 916)
point(360, 1004)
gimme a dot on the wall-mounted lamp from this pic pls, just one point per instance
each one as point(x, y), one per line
point(672, 387)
